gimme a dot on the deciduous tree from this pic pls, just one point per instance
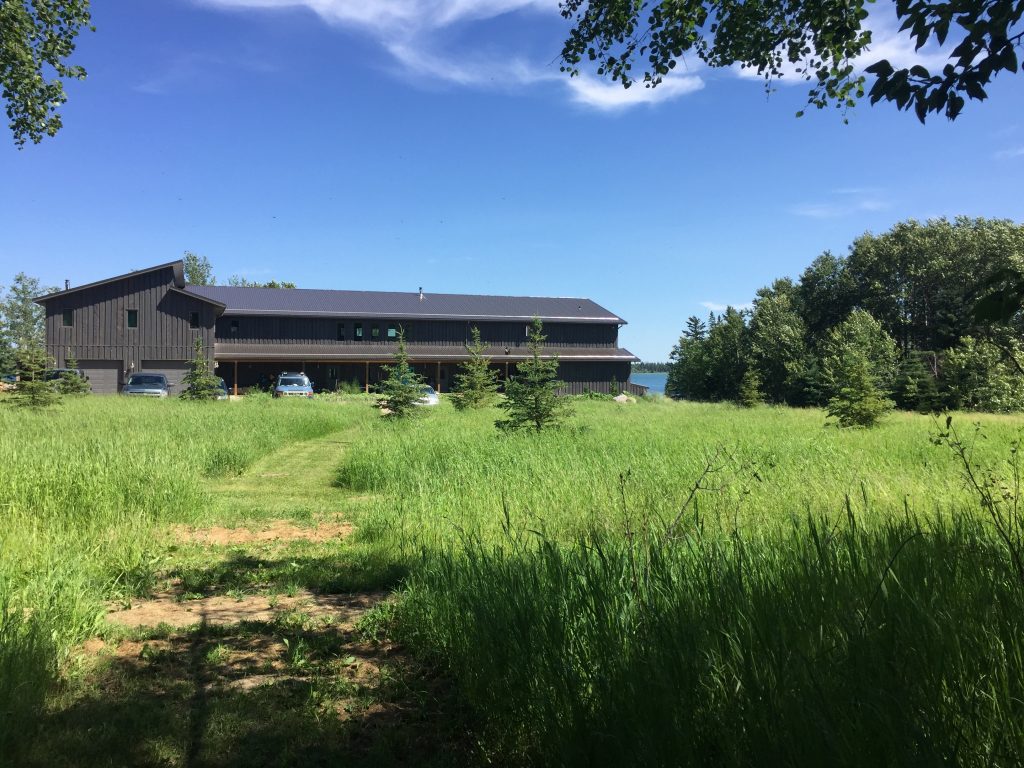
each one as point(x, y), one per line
point(37, 37)
point(23, 319)
point(818, 40)
point(778, 350)
point(198, 269)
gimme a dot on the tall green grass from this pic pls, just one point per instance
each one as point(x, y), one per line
point(83, 486)
point(827, 597)
point(452, 471)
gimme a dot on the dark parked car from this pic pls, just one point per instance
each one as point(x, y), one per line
point(293, 385)
point(54, 374)
point(144, 384)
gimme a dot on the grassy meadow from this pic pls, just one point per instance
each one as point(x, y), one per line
point(656, 583)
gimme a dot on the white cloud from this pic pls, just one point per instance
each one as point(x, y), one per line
point(1008, 154)
point(607, 96)
point(714, 306)
point(411, 30)
point(187, 67)
point(843, 202)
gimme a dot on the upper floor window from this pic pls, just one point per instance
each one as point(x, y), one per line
point(193, 319)
point(69, 318)
point(133, 318)
point(341, 331)
point(392, 331)
point(234, 327)
point(357, 330)
point(375, 331)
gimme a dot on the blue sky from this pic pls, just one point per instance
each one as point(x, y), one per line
point(400, 143)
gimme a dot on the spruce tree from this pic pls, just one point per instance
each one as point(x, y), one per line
point(858, 366)
point(71, 382)
point(859, 401)
point(750, 389)
point(476, 383)
point(403, 387)
point(530, 396)
point(33, 390)
point(199, 383)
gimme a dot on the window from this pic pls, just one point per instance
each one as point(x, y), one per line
point(341, 331)
point(392, 332)
point(234, 327)
point(69, 318)
point(375, 331)
point(133, 318)
point(357, 330)
point(193, 319)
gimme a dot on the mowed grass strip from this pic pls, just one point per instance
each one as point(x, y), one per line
point(85, 488)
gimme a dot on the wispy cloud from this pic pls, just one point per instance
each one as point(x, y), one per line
point(1009, 154)
point(606, 96)
point(715, 306)
point(843, 202)
point(412, 32)
point(187, 67)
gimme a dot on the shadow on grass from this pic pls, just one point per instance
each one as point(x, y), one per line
point(351, 570)
point(252, 695)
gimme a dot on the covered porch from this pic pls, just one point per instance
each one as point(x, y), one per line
point(328, 376)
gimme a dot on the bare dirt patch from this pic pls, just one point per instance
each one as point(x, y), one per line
point(342, 611)
point(269, 532)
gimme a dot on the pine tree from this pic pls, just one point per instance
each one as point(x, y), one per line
point(530, 396)
point(859, 401)
point(71, 382)
point(199, 383)
point(403, 387)
point(750, 389)
point(858, 365)
point(33, 389)
point(476, 383)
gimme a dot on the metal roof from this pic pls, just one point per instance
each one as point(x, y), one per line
point(384, 352)
point(386, 304)
point(179, 280)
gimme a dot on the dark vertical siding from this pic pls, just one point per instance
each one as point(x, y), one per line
point(302, 330)
point(100, 324)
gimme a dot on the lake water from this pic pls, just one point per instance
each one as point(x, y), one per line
point(656, 382)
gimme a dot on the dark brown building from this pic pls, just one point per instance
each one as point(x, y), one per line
point(149, 320)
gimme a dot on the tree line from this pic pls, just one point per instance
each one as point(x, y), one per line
point(894, 322)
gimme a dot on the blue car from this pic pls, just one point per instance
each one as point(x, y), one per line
point(145, 384)
point(293, 385)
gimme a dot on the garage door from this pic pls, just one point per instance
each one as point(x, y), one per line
point(104, 375)
point(174, 370)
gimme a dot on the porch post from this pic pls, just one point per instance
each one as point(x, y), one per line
point(367, 380)
point(236, 378)
point(439, 376)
